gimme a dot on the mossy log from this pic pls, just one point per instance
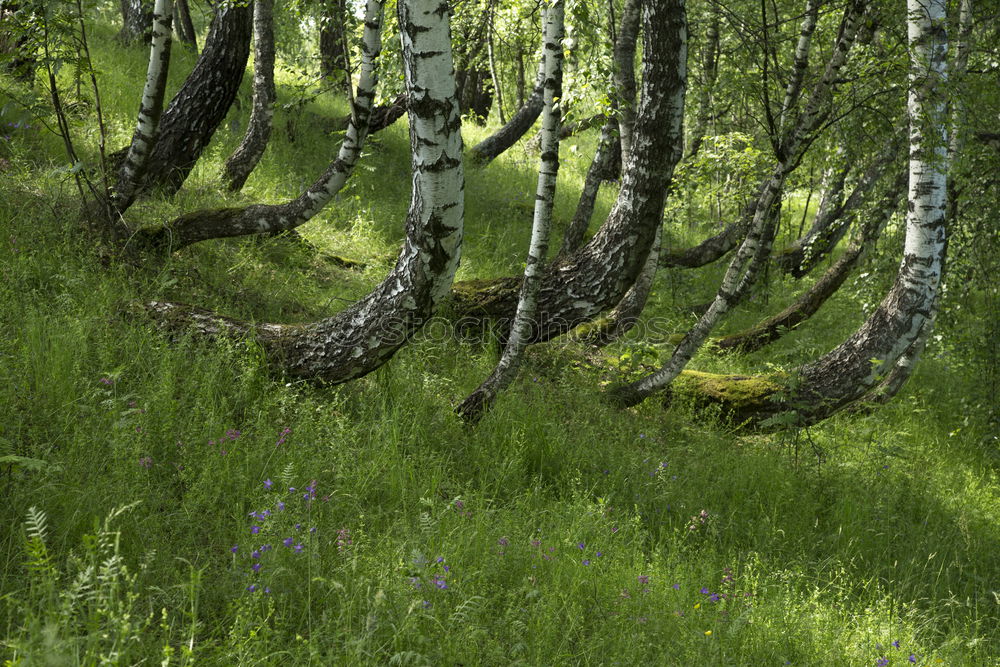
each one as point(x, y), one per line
point(479, 305)
point(742, 401)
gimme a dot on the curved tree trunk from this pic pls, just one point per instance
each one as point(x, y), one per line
point(712, 248)
point(894, 334)
point(268, 219)
point(598, 172)
point(831, 224)
point(137, 21)
point(479, 401)
point(625, 315)
point(595, 278)
point(365, 335)
point(133, 167)
point(202, 102)
point(184, 25)
point(494, 145)
point(246, 156)
point(809, 303)
point(751, 256)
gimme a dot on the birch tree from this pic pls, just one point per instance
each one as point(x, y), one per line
point(246, 156)
point(753, 252)
point(577, 288)
point(480, 400)
point(133, 167)
point(197, 109)
point(271, 218)
point(896, 331)
point(361, 338)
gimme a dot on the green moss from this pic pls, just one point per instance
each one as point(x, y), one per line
point(742, 399)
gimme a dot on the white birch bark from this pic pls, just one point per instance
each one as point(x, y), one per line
point(270, 218)
point(150, 108)
point(746, 264)
point(800, 63)
point(241, 163)
point(361, 338)
point(479, 401)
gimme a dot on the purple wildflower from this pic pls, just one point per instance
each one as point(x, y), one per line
point(268, 484)
point(252, 587)
point(254, 530)
point(581, 546)
point(705, 591)
point(255, 554)
point(894, 644)
point(912, 658)
point(255, 567)
point(234, 549)
point(676, 587)
point(586, 561)
point(288, 541)
point(643, 579)
point(882, 662)
point(298, 548)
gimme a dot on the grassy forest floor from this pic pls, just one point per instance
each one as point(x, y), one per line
point(143, 478)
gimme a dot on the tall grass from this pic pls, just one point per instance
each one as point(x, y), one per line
point(144, 476)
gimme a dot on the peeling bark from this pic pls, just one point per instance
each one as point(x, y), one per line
point(246, 156)
point(625, 315)
point(750, 257)
point(884, 349)
point(479, 401)
point(269, 219)
point(195, 112)
point(577, 288)
point(365, 335)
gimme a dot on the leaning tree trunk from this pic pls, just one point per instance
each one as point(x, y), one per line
point(479, 401)
point(133, 167)
point(246, 156)
point(203, 100)
point(137, 21)
point(831, 222)
point(809, 303)
point(576, 289)
point(751, 255)
point(494, 145)
point(598, 172)
point(269, 219)
point(363, 337)
point(896, 332)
